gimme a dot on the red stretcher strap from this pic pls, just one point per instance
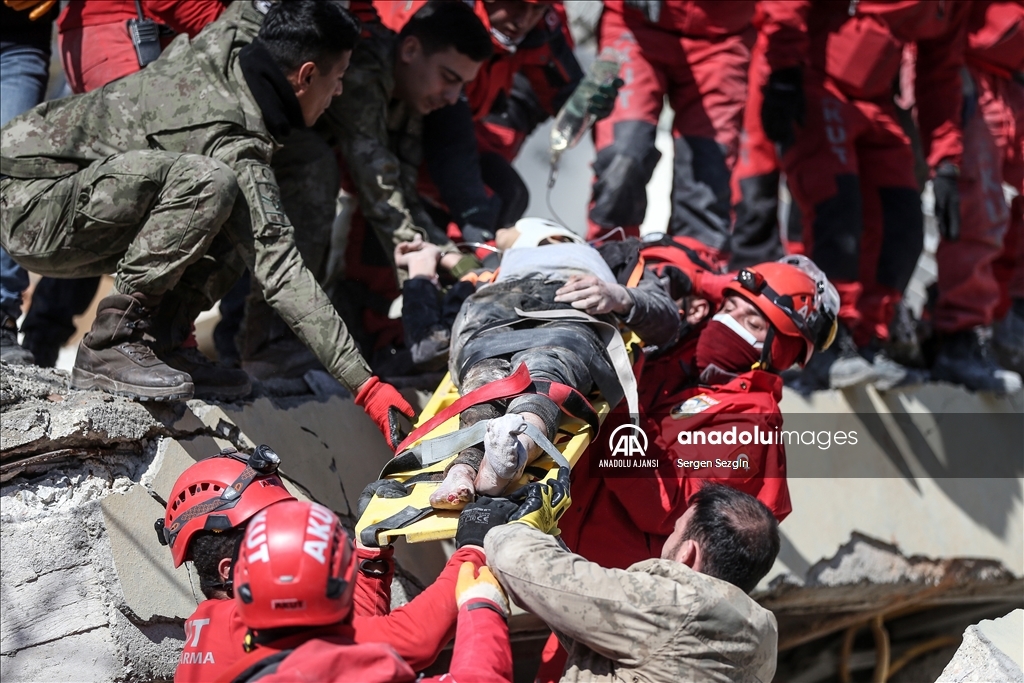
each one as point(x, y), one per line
point(516, 383)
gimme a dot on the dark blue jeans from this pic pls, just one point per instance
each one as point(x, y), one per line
point(24, 75)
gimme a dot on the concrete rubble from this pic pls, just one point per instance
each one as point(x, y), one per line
point(89, 594)
point(992, 650)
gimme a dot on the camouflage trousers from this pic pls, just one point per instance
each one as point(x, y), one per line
point(146, 215)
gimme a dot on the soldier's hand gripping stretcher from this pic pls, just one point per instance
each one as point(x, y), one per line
point(536, 357)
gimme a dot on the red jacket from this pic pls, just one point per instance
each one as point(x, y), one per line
point(696, 18)
point(995, 37)
point(860, 55)
point(617, 521)
point(418, 631)
point(482, 655)
point(181, 16)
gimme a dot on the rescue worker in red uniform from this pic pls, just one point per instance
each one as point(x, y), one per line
point(295, 579)
point(829, 103)
point(757, 236)
point(982, 268)
point(205, 523)
point(530, 76)
point(697, 53)
point(771, 316)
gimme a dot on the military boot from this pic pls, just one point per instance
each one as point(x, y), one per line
point(889, 373)
point(10, 350)
point(116, 356)
point(1008, 338)
point(966, 358)
point(212, 380)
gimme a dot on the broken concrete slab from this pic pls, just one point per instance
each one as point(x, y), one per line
point(142, 563)
point(991, 651)
point(86, 656)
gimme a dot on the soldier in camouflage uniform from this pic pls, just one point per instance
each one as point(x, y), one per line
point(393, 81)
point(684, 617)
point(163, 177)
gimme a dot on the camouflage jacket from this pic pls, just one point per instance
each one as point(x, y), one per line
point(656, 622)
point(380, 139)
point(194, 99)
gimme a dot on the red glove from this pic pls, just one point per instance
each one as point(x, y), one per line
point(385, 406)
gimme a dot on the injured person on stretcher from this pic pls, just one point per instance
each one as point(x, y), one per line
point(556, 305)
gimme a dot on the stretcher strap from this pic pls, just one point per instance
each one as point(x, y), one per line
point(403, 518)
point(512, 385)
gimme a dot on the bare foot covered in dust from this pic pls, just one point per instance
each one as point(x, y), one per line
point(456, 490)
point(506, 452)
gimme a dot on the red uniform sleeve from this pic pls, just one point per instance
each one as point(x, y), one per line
point(785, 27)
point(419, 630)
point(483, 653)
point(372, 595)
point(554, 72)
point(184, 16)
point(938, 91)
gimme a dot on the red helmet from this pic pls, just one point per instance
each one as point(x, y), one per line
point(797, 299)
point(296, 567)
point(676, 260)
point(217, 494)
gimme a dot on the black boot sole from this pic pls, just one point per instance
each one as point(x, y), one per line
point(83, 379)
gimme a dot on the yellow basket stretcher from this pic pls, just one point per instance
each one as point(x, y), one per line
point(572, 440)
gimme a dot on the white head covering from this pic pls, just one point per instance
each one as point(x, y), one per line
point(533, 231)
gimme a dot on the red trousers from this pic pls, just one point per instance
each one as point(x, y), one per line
point(756, 234)
point(705, 80)
point(851, 172)
point(984, 269)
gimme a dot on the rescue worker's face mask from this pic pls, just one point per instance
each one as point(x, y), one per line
point(727, 345)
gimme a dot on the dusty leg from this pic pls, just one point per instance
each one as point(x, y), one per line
point(457, 489)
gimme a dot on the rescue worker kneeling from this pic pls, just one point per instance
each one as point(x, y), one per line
point(209, 506)
point(556, 305)
point(683, 617)
point(294, 579)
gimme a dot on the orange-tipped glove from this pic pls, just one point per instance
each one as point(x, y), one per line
point(471, 587)
point(385, 406)
point(39, 7)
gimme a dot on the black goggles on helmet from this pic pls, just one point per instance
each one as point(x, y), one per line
point(818, 327)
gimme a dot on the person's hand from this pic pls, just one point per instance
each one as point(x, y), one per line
point(542, 504)
point(385, 406)
point(947, 201)
point(593, 295)
point(783, 105)
point(477, 518)
point(418, 257)
point(471, 587)
point(602, 102)
point(382, 488)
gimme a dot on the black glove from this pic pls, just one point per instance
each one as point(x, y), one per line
point(651, 9)
point(947, 200)
point(383, 488)
point(783, 105)
point(473, 233)
point(480, 517)
point(602, 102)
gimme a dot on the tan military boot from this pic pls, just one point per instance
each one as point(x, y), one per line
point(115, 356)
